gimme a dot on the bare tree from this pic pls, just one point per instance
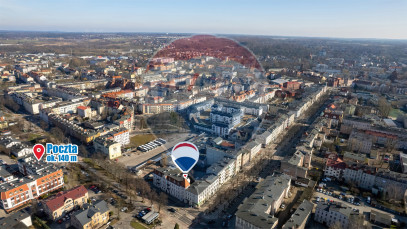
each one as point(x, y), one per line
point(44, 125)
point(357, 221)
point(57, 133)
point(384, 107)
point(162, 200)
point(336, 225)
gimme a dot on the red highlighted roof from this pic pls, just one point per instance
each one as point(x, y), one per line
point(208, 45)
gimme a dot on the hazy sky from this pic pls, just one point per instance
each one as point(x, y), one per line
point(321, 18)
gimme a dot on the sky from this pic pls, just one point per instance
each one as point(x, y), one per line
point(309, 18)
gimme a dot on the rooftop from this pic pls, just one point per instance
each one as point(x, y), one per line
point(255, 209)
point(85, 215)
point(58, 200)
point(300, 215)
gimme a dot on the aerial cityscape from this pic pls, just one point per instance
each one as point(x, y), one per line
point(168, 127)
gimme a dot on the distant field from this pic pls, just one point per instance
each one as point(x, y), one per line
point(141, 139)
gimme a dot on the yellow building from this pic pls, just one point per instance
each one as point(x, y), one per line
point(91, 216)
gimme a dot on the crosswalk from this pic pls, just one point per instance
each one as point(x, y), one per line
point(183, 218)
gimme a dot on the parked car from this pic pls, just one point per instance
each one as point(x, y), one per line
point(172, 210)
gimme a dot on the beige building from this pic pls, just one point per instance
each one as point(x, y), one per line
point(108, 147)
point(65, 202)
point(91, 216)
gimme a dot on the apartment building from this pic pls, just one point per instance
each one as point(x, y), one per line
point(360, 142)
point(157, 108)
point(334, 168)
point(108, 147)
point(27, 100)
point(121, 136)
point(39, 178)
point(332, 213)
point(361, 175)
point(171, 181)
point(300, 217)
point(258, 210)
point(224, 169)
point(295, 166)
point(202, 190)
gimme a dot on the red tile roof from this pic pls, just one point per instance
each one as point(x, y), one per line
point(338, 163)
point(58, 201)
point(82, 107)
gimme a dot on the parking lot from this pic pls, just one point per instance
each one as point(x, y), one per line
point(137, 157)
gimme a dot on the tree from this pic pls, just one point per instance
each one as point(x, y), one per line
point(57, 133)
point(176, 226)
point(83, 151)
point(143, 123)
point(44, 125)
point(77, 62)
point(5, 150)
point(393, 76)
point(9, 102)
point(357, 221)
point(174, 118)
point(162, 200)
point(115, 117)
point(336, 225)
point(384, 107)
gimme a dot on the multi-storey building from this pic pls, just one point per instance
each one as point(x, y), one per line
point(331, 214)
point(223, 169)
point(121, 136)
point(294, 166)
point(30, 104)
point(67, 107)
point(202, 190)
point(360, 175)
point(259, 209)
point(300, 217)
point(108, 147)
point(171, 182)
point(360, 142)
point(157, 108)
point(334, 168)
point(39, 178)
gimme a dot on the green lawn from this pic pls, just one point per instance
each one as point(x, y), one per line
point(137, 225)
point(395, 112)
point(141, 139)
point(33, 137)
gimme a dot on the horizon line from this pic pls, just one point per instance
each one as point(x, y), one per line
point(208, 33)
